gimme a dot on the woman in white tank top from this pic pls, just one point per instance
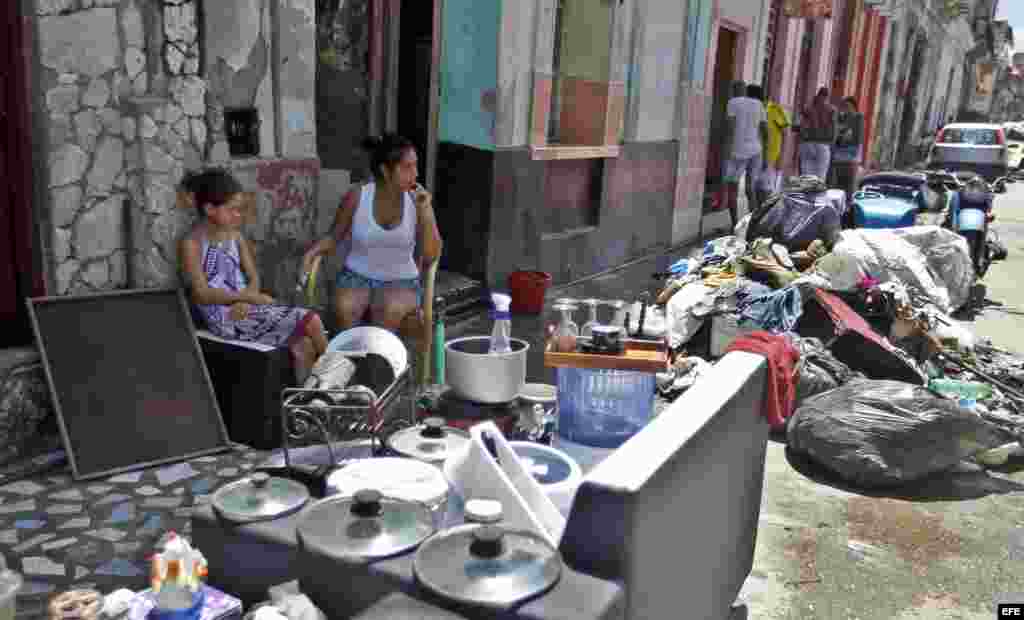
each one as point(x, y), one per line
point(383, 221)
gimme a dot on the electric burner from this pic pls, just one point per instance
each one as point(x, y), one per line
point(462, 414)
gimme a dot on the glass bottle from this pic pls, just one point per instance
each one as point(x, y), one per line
point(588, 328)
point(567, 331)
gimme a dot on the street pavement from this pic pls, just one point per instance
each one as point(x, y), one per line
point(1002, 320)
point(945, 549)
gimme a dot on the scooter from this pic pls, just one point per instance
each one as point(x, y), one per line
point(961, 202)
point(970, 215)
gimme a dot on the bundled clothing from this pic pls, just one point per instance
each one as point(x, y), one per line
point(776, 312)
point(782, 359)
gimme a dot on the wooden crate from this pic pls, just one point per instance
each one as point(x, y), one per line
point(639, 355)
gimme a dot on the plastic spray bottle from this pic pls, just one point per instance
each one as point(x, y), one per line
point(501, 336)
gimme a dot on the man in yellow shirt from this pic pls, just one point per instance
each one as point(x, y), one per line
point(771, 178)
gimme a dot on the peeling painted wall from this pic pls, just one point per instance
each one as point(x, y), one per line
point(655, 72)
point(519, 22)
point(469, 72)
point(238, 67)
point(296, 32)
point(343, 83)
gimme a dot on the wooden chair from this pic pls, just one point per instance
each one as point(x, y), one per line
point(416, 329)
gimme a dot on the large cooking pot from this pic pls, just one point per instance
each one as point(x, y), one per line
point(479, 376)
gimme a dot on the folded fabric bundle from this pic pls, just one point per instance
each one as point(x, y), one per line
point(782, 358)
point(777, 312)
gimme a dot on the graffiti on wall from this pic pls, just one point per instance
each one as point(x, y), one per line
point(284, 223)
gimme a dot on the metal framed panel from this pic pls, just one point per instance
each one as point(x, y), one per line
point(128, 381)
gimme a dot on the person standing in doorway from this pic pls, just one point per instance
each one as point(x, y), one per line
point(771, 177)
point(817, 135)
point(746, 133)
point(849, 151)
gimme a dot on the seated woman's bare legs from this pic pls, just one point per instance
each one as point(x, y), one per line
point(317, 335)
point(391, 305)
point(350, 306)
point(304, 355)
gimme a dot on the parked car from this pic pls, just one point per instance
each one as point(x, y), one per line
point(1015, 144)
point(971, 147)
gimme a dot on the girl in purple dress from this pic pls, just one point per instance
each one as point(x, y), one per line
point(224, 284)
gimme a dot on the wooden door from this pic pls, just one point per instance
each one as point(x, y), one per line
point(20, 276)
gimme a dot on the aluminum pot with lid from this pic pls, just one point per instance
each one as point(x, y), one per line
point(431, 442)
point(364, 527)
point(259, 497)
point(485, 563)
point(400, 478)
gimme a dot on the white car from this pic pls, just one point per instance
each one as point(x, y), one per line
point(971, 147)
point(1015, 144)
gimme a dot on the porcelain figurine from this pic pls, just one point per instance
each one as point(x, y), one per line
point(176, 574)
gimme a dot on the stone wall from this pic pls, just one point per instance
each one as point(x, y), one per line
point(124, 107)
point(133, 94)
point(27, 420)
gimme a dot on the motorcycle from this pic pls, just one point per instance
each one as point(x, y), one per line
point(961, 202)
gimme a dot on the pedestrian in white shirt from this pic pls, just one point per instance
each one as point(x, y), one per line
point(746, 135)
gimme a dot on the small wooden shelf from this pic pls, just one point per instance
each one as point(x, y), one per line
point(639, 355)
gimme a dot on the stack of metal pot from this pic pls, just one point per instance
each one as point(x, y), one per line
point(355, 550)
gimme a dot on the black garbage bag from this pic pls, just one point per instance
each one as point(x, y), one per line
point(888, 433)
point(819, 371)
point(997, 250)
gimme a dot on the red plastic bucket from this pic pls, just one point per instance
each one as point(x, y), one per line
point(527, 289)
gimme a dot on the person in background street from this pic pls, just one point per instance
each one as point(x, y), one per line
point(771, 177)
point(817, 135)
point(849, 150)
point(746, 133)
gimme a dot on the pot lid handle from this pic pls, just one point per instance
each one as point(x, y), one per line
point(260, 479)
point(487, 541)
point(367, 503)
point(433, 428)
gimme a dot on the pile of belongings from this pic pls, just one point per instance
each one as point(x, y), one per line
point(803, 212)
point(888, 387)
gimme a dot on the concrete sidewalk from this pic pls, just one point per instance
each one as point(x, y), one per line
point(944, 549)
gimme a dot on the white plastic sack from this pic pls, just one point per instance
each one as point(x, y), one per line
point(932, 276)
point(948, 256)
point(681, 322)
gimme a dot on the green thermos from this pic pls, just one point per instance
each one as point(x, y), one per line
point(438, 346)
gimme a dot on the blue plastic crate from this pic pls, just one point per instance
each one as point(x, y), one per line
point(603, 408)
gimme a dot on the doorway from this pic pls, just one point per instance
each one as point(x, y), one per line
point(725, 72)
point(417, 81)
point(20, 265)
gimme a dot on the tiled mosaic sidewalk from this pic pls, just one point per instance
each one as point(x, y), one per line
point(61, 534)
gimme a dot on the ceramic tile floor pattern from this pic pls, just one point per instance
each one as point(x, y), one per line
point(62, 534)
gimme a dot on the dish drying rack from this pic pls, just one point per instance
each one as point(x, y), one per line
point(342, 415)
